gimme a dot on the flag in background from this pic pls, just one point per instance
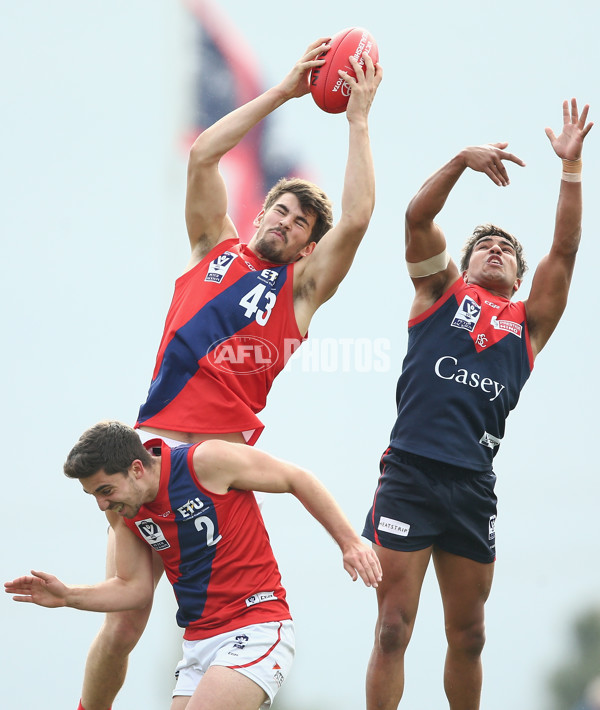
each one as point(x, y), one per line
point(226, 76)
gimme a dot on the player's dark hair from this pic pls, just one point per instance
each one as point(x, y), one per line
point(490, 230)
point(110, 446)
point(312, 200)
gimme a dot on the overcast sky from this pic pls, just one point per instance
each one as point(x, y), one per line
point(92, 184)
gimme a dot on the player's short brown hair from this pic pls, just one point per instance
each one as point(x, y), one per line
point(312, 200)
point(109, 446)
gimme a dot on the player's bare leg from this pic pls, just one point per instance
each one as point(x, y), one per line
point(107, 660)
point(398, 599)
point(223, 689)
point(465, 586)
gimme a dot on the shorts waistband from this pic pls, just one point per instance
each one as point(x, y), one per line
point(433, 466)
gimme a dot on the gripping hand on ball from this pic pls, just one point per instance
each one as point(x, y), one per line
point(297, 82)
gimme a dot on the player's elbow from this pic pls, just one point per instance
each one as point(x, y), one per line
point(415, 216)
point(201, 155)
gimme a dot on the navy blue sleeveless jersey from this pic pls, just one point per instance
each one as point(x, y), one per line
point(468, 357)
point(215, 549)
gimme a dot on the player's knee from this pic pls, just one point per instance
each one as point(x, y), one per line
point(121, 631)
point(393, 635)
point(469, 640)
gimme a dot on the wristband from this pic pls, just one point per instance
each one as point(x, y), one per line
point(571, 171)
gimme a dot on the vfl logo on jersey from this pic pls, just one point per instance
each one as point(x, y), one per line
point(260, 597)
point(152, 533)
point(218, 267)
point(467, 315)
point(507, 325)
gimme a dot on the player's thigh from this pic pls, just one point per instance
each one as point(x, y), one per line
point(223, 688)
point(465, 586)
point(399, 591)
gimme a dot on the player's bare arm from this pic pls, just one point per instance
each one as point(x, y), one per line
point(317, 277)
point(221, 466)
point(550, 286)
point(425, 240)
point(132, 587)
point(206, 200)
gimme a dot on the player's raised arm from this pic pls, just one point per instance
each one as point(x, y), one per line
point(221, 465)
point(206, 200)
point(552, 279)
point(317, 277)
point(429, 264)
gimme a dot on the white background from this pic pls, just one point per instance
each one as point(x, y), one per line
point(92, 183)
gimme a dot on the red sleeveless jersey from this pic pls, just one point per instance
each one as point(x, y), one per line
point(229, 331)
point(215, 549)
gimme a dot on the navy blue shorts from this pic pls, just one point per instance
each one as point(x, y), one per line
point(420, 502)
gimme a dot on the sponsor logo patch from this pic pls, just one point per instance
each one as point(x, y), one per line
point(507, 325)
point(260, 597)
point(395, 527)
point(489, 440)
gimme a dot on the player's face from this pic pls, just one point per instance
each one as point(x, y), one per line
point(493, 265)
point(284, 231)
point(118, 492)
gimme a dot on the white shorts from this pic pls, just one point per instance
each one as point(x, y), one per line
point(147, 436)
point(262, 652)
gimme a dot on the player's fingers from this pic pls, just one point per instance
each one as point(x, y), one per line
point(513, 158)
point(369, 65)
point(574, 111)
point(351, 571)
point(317, 46)
point(492, 172)
point(369, 568)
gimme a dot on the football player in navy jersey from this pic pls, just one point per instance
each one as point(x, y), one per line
point(470, 351)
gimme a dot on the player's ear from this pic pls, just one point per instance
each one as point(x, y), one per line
point(258, 219)
point(517, 285)
point(137, 468)
point(308, 249)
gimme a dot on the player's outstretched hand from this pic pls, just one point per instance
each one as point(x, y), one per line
point(41, 588)
point(297, 82)
point(488, 159)
point(569, 143)
point(363, 86)
point(360, 559)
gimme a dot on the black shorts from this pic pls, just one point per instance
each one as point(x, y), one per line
point(420, 502)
